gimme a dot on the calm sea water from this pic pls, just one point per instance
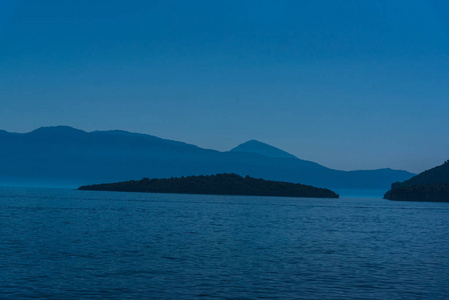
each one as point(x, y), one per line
point(64, 244)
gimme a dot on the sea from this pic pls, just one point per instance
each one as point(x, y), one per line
point(70, 244)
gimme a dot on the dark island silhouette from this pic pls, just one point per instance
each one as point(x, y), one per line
point(220, 184)
point(429, 186)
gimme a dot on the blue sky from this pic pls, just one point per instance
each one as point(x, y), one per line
point(348, 84)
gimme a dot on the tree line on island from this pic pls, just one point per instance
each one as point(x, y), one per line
point(429, 186)
point(219, 184)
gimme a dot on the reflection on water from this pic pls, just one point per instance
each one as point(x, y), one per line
point(77, 244)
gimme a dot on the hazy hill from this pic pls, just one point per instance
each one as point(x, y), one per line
point(254, 146)
point(64, 156)
point(220, 184)
point(430, 185)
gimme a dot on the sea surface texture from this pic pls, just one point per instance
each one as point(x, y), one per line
point(69, 244)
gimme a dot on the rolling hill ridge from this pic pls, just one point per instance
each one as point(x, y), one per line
point(65, 156)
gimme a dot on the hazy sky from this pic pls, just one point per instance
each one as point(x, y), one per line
point(349, 84)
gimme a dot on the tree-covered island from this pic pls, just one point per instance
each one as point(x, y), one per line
point(429, 186)
point(220, 184)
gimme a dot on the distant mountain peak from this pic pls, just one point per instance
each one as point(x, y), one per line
point(255, 146)
point(57, 130)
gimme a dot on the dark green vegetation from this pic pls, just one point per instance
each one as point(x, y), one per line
point(67, 157)
point(431, 185)
point(220, 184)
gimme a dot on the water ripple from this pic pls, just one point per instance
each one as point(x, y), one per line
point(62, 244)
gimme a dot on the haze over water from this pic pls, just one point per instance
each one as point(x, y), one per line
point(74, 244)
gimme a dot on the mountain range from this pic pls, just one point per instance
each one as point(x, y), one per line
point(68, 157)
